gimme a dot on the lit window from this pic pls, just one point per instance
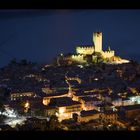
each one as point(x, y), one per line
point(61, 110)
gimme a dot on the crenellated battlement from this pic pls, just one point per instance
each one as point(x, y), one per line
point(108, 54)
point(86, 50)
point(82, 51)
point(77, 55)
point(78, 58)
point(109, 51)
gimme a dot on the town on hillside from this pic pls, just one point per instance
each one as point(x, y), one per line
point(90, 90)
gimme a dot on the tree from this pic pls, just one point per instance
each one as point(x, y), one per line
point(2, 117)
point(99, 57)
point(53, 123)
point(75, 117)
point(38, 112)
point(88, 58)
point(13, 61)
point(54, 61)
point(24, 62)
point(1, 106)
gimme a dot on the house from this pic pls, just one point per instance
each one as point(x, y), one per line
point(109, 116)
point(50, 111)
point(89, 103)
point(135, 99)
point(105, 97)
point(121, 122)
point(47, 90)
point(48, 97)
point(86, 116)
point(126, 101)
point(37, 109)
point(66, 107)
point(19, 94)
point(28, 105)
point(116, 100)
point(104, 106)
point(130, 111)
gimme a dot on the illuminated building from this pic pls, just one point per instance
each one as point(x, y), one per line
point(131, 111)
point(109, 116)
point(20, 95)
point(89, 103)
point(87, 54)
point(90, 50)
point(86, 116)
point(65, 107)
point(46, 100)
point(48, 97)
point(135, 99)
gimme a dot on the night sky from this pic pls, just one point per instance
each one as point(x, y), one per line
point(39, 35)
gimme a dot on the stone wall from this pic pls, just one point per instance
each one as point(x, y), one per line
point(85, 50)
point(108, 54)
point(78, 58)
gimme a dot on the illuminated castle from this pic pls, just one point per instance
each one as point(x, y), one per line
point(83, 51)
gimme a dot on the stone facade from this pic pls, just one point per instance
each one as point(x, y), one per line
point(97, 39)
point(85, 50)
point(78, 58)
point(108, 54)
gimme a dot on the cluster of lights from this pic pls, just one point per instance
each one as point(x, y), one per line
point(14, 121)
point(10, 113)
point(119, 62)
point(12, 117)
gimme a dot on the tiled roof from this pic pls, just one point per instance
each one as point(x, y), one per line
point(62, 101)
point(88, 113)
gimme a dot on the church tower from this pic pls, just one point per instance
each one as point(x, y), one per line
point(97, 39)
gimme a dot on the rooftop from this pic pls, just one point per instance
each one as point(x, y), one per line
point(86, 99)
point(63, 101)
point(88, 113)
point(56, 94)
point(131, 107)
point(109, 112)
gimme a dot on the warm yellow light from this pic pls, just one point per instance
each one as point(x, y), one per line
point(61, 110)
point(27, 105)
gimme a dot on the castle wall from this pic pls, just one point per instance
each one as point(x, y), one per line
point(85, 50)
point(78, 58)
point(108, 54)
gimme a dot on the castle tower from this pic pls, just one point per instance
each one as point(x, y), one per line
point(97, 39)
